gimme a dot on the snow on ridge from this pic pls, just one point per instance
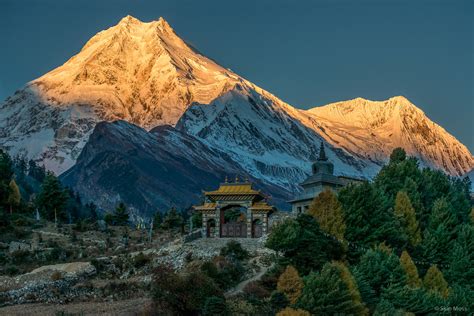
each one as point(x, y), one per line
point(143, 73)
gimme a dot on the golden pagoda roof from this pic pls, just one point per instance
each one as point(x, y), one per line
point(205, 206)
point(234, 189)
point(261, 206)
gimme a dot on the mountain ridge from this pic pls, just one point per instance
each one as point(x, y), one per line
point(144, 73)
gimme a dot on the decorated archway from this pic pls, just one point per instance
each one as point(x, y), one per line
point(233, 221)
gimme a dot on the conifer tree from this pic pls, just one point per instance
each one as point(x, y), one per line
point(406, 214)
point(52, 198)
point(290, 284)
point(410, 269)
point(381, 268)
point(327, 293)
point(461, 263)
point(6, 173)
point(434, 282)
point(15, 197)
point(121, 216)
point(440, 232)
point(368, 217)
point(328, 212)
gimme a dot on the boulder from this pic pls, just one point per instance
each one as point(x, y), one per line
point(72, 269)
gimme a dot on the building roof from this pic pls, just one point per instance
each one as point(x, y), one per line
point(205, 206)
point(322, 178)
point(233, 188)
point(261, 206)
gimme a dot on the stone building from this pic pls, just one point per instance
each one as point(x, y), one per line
point(322, 178)
point(235, 210)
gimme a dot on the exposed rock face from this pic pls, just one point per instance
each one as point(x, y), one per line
point(150, 171)
point(146, 74)
point(371, 129)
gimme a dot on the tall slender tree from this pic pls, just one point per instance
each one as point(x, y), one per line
point(434, 282)
point(15, 197)
point(290, 284)
point(410, 269)
point(52, 198)
point(328, 212)
point(406, 214)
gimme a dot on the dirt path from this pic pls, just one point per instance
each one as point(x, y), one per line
point(239, 287)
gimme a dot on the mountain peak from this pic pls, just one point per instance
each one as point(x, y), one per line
point(129, 19)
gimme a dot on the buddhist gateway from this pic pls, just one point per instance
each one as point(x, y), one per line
point(235, 210)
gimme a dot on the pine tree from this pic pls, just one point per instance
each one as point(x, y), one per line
point(172, 219)
point(15, 197)
point(6, 173)
point(398, 155)
point(157, 220)
point(120, 215)
point(52, 198)
point(368, 217)
point(290, 284)
point(461, 264)
point(327, 293)
point(440, 232)
point(91, 208)
point(328, 212)
point(381, 268)
point(434, 282)
point(410, 269)
point(406, 214)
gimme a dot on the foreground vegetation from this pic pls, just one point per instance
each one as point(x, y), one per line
point(401, 244)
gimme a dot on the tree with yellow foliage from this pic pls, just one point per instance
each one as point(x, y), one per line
point(293, 312)
point(15, 197)
point(328, 212)
point(410, 269)
point(290, 284)
point(406, 214)
point(434, 282)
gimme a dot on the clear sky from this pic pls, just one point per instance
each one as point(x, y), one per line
point(308, 53)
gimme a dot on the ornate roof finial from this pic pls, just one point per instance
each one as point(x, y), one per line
point(322, 153)
point(226, 180)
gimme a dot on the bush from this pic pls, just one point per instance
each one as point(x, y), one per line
point(225, 272)
point(255, 291)
point(182, 295)
point(141, 260)
point(215, 306)
point(234, 249)
point(278, 300)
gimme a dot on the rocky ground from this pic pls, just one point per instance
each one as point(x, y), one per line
point(108, 275)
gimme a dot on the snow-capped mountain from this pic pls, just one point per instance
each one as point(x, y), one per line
point(371, 129)
point(145, 74)
point(139, 72)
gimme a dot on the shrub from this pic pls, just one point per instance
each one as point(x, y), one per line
point(278, 300)
point(183, 295)
point(255, 291)
point(141, 260)
point(215, 306)
point(234, 249)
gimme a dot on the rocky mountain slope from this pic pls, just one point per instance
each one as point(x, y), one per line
point(151, 170)
point(145, 74)
point(371, 129)
point(139, 72)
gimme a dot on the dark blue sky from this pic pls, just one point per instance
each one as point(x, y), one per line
point(308, 53)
